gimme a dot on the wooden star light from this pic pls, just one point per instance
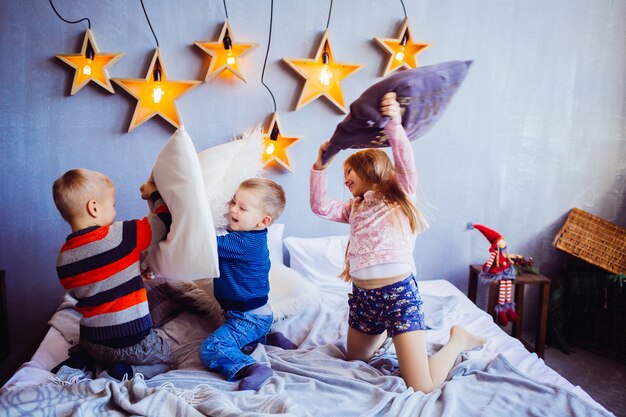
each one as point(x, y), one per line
point(90, 65)
point(225, 53)
point(155, 94)
point(322, 75)
point(275, 148)
point(401, 50)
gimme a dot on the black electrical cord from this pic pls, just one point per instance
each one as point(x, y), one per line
point(330, 10)
point(149, 24)
point(269, 41)
point(69, 21)
point(225, 10)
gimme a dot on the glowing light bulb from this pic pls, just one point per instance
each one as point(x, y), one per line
point(273, 138)
point(228, 45)
point(230, 60)
point(325, 73)
point(400, 54)
point(157, 93)
point(87, 67)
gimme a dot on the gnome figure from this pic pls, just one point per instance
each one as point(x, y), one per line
point(498, 267)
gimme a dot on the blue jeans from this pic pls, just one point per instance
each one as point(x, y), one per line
point(221, 351)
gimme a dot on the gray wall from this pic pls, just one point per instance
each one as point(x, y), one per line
point(536, 129)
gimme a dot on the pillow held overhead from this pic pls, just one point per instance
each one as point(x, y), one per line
point(189, 251)
point(423, 94)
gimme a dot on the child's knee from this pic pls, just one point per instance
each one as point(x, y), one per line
point(210, 349)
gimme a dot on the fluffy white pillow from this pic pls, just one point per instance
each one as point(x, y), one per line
point(320, 259)
point(275, 243)
point(290, 292)
point(190, 250)
point(225, 166)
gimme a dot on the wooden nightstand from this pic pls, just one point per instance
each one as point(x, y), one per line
point(519, 283)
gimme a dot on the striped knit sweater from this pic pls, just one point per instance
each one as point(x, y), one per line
point(99, 266)
point(244, 261)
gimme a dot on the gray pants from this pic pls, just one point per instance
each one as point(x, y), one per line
point(149, 357)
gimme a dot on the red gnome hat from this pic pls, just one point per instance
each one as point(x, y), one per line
point(491, 235)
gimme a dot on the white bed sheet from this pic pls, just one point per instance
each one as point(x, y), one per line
point(53, 348)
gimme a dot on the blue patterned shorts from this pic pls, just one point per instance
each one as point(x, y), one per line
point(396, 308)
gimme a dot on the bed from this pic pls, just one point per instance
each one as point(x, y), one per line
point(502, 378)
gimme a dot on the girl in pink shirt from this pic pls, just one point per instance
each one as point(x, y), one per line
point(379, 259)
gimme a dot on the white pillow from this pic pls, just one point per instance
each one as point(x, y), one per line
point(321, 259)
point(275, 243)
point(225, 166)
point(290, 292)
point(189, 251)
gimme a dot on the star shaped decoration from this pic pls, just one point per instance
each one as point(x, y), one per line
point(401, 56)
point(322, 79)
point(156, 94)
point(225, 53)
point(90, 65)
point(275, 150)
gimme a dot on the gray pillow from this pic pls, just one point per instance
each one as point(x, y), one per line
point(423, 94)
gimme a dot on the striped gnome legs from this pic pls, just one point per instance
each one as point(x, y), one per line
point(505, 309)
point(498, 267)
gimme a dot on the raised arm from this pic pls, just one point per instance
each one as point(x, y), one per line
point(401, 150)
point(156, 225)
point(321, 204)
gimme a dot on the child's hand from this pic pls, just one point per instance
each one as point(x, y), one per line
point(389, 106)
point(319, 166)
point(147, 189)
point(147, 275)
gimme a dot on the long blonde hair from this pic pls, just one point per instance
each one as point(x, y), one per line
point(374, 167)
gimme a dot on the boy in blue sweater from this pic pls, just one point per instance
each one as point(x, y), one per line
point(243, 286)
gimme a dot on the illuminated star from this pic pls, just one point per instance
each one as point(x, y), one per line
point(276, 150)
point(90, 65)
point(223, 58)
point(321, 79)
point(153, 96)
point(399, 56)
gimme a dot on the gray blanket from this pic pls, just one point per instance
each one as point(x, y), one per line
point(314, 380)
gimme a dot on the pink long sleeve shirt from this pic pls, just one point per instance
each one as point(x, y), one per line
point(379, 233)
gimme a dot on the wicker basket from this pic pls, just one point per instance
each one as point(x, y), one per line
point(594, 240)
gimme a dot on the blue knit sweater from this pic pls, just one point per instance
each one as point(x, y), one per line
point(244, 261)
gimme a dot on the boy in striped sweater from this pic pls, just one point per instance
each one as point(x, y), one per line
point(243, 286)
point(99, 266)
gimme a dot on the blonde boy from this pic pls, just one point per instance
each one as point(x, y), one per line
point(243, 286)
point(99, 266)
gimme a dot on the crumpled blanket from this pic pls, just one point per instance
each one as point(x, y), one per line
point(311, 382)
point(314, 380)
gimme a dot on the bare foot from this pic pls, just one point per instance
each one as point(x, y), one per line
point(467, 340)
